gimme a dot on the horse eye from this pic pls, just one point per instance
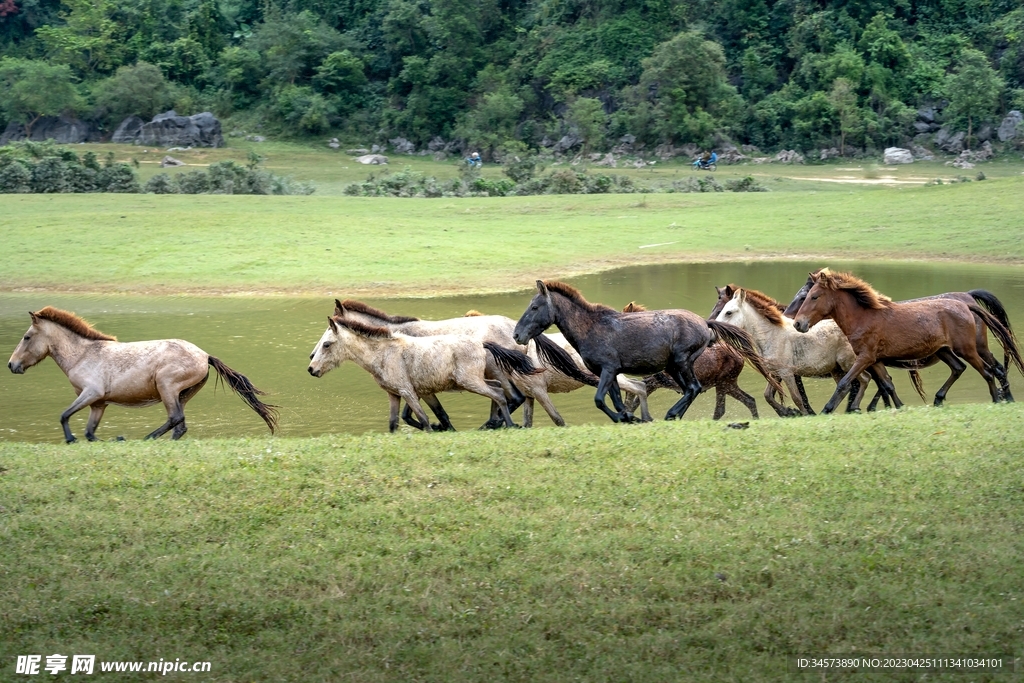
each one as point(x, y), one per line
point(327, 344)
point(26, 337)
point(728, 312)
point(534, 308)
point(814, 298)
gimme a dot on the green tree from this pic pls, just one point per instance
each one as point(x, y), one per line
point(843, 98)
point(88, 40)
point(973, 90)
point(492, 121)
point(587, 116)
point(140, 89)
point(30, 90)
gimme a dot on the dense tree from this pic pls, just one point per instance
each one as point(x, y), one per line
point(30, 90)
point(140, 89)
point(973, 90)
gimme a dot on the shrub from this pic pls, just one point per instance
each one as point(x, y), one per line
point(160, 184)
point(192, 182)
point(746, 184)
point(118, 178)
point(15, 177)
point(49, 176)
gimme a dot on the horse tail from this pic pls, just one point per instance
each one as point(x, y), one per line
point(556, 356)
point(241, 385)
point(1003, 334)
point(512, 361)
point(994, 306)
point(915, 379)
point(741, 341)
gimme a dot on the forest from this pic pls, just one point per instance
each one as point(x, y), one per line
point(500, 75)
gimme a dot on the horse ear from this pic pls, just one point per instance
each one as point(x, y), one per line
point(338, 308)
point(334, 325)
point(718, 290)
point(542, 288)
point(35, 318)
point(730, 290)
point(741, 295)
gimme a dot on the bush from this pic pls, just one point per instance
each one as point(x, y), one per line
point(118, 178)
point(49, 176)
point(15, 177)
point(192, 182)
point(747, 184)
point(160, 184)
point(520, 168)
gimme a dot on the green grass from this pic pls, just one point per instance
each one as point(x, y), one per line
point(370, 246)
point(660, 552)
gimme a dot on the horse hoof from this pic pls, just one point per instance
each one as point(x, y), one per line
point(71, 440)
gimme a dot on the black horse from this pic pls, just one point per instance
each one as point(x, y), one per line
point(638, 343)
point(985, 298)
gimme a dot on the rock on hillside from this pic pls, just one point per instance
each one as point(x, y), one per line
point(898, 155)
point(169, 129)
point(61, 129)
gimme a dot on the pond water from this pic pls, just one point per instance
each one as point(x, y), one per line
point(269, 339)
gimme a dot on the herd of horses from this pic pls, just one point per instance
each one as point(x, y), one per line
point(836, 326)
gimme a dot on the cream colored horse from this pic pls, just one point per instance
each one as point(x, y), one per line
point(103, 370)
point(824, 351)
point(411, 368)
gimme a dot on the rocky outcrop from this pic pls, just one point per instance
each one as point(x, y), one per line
point(169, 161)
point(789, 156)
point(402, 146)
point(897, 155)
point(61, 129)
point(372, 159)
point(1011, 126)
point(922, 154)
point(198, 130)
point(949, 141)
point(830, 153)
point(128, 131)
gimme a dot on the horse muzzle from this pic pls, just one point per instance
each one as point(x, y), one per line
point(315, 373)
point(801, 325)
point(16, 368)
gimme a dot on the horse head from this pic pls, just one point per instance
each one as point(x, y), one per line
point(798, 298)
point(539, 316)
point(33, 347)
point(325, 357)
point(817, 304)
point(725, 294)
point(732, 311)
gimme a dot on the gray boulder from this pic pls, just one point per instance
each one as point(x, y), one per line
point(169, 161)
point(198, 130)
point(1011, 126)
point(65, 130)
point(922, 154)
point(984, 133)
point(437, 144)
point(372, 159)
point(789, 156)
point(949, 141)
point(898, 155)
point(357, 151)
point(566, 142)
point(128, 131)
point(928, 114)
point(402, 146)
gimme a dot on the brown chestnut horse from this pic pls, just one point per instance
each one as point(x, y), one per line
point(880, 329)
point(985, 298)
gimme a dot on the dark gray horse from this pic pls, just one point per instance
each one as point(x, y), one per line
point(639, 343)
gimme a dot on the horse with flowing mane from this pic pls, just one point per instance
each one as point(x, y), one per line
point(412, 368)
point(103, 370)
point(642, 343)
point(880, 329)
point(982, 297)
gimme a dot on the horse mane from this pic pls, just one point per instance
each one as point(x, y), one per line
point(366, 309)
point(362, 329)
point(633, 307)
point(72, 323)
point(765, 305)
point(574, 295)
point(862, 292)
point(471, 313)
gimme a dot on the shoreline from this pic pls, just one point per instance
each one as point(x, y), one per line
point(514, 283)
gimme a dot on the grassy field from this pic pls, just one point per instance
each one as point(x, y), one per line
point(380, 247)
point(660, 552)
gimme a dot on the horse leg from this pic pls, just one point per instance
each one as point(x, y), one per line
point(719, 403)
point(994, 366)
point(603, 386)
point(396, 401)
point(984, 369)
point(802, 392)
point(528, 412)
point(743, 397)
point(616, 395)
point(794, 392)
point(845, 384)
point(444, 423)
point(85, 398)
point(95, 415)
point(413, 401)
point(684, 376)
point(883, 380)
point(780, 408)
point(956, 367)
point(549, 408)
point(408, 418)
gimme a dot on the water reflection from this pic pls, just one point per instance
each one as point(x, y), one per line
point(269, 339)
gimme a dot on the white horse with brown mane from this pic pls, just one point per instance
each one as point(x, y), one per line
point(412, 368)
point(824, 351)
point(103, 370)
